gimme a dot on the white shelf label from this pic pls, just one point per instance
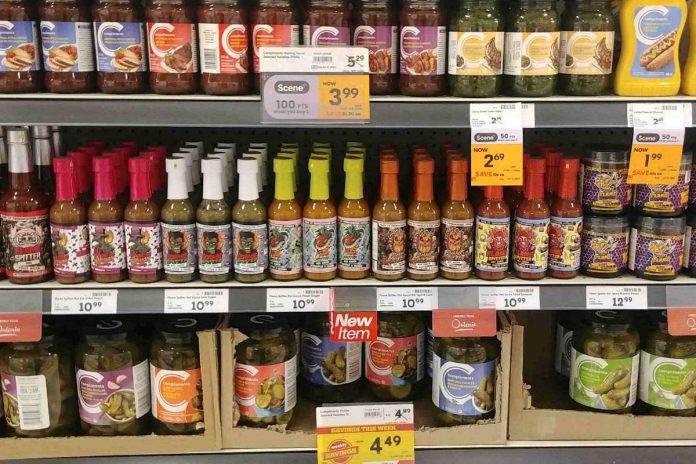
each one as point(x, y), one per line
point(665, 114)
point(298, 299)
point(407, 298)
point(83, 302)
point(196, 301)
point(502, 298)
point(613, 297)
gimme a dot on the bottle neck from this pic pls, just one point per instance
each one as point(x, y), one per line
point(568, 185)
point(105, 186)
point(140, 186)
point(43, 152)
point(457, 187)
point(66, 187)
point(20, 166)
point(248, 187)
point(284, 188)
point(354, 186)
point(212, 188)
point(534, 187)
point(424, 187)
point(319, 186)
point(176, 186)
point(389, 187)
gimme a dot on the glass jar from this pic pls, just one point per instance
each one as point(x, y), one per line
point(326, 24)
point(265, 378)
point(375, 27)
point(605, 362)
point(476, 41)
point(604, 245)
point(657, 247)
point(604, 180)
point(690, 244)
point(665, 199)
point(566, 323)
point(587, 48)
point(20, 70)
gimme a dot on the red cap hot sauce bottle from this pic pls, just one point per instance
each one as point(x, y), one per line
point(491, 252)
point(566, 223)
point(423, 225)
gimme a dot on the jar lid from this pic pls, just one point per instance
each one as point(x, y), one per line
point(673, 225)
point(249, 323)
point(606, 223)
point(178, 325)
point(604, 317)
point(608, 153)
point(107, 327)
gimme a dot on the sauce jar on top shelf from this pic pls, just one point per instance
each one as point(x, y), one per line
point(604, 245)
point(326, 23)
point(604, 180)
point(657, 247)
point(665, 199)
point(20, 69)
point(375, 27)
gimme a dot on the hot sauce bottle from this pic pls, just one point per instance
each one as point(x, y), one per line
point(353, 224)
point(274, 23)
point(105, 216)
point(423, 225)
point(492, 235)
point(285, 224)
point(319, 224)
point(531, 235)
point(389, 230)
point(457, 242)
point(213, 227)
point(24, 213)
point(69, 231)
point(326, 23)
point(566, 223)
point(43, 157)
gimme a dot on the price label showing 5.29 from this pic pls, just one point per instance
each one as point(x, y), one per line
point(196, 301)
point(84, 302)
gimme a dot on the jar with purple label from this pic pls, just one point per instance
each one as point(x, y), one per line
point(604, 245)
point(690, 245)
point(327, 24)
point(657, 247)
point(604, 180)
point(665, 199)
point(692, 186)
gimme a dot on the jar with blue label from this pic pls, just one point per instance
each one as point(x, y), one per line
point(20, 66)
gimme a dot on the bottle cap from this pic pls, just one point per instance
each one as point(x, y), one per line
point(63, 166)
point(18, 135)
point(188, 159)
point(139, 169)
point(177, 187)
point(389, 165)
point(105, 178)
point(569, 165)
point(425, 166)
point(154, 167)
point(283, 164)
point(459, 165)
point(536, 165)
point(353, 164)
point(41, 132)
point(247, 166)
point(318, 165)
point(66, 184)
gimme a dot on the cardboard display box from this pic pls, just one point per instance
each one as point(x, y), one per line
point(541, 409)
point(300, 434)
point(25, 448)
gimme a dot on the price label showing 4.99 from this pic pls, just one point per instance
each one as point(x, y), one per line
point(84, 302)
point(196, 301)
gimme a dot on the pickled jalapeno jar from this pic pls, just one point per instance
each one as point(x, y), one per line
point(38, 387)
point(667, 385)
point(464, 368)
point(605, 362)
point(265, 378)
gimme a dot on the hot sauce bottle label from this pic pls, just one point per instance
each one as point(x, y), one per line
point(424, 246)
point(661, 198)
point(330, 363)
point(25, 401)
point(177, 396)
point(381, 42)
point(475, 53)
point(120, 46)
point(585, 52)
point(214, 254)
point(531, 250)
point(224, 48)
point(532, 53)
point(26, 237)
point(464, 389)
point(564, 243)
point(250, 248)
point(67, 46)
point(285, 246)
point(143, 247)
point(325, 36)
point(395, 361)
point(655, 254)
point(492, 244)
point(422, 50)
point(277, 35)
point(604, 252)
point(70, 249)
point(108, 247)
point(19, 46)
point(173, 47)
point(263, 391)
point(457, 244)
point(605, 189)
point(389, 247)
point(353, 244)
point(319, 244)
point(179, 248)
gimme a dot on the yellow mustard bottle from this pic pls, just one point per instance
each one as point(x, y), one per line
point(689, 79)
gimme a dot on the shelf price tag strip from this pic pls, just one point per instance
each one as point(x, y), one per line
point(509, 298)
point(84, 302)
point(407, 298)
point(614, 297)
point(314, 84)
point(196, 301)
point(298, 299)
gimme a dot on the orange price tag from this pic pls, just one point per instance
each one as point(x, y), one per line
point(681, 321)
point(464, 323)
point(654, 164)
point(344, 96)
point(496, 163)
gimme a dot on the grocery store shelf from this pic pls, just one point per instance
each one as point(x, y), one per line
point(387, 112)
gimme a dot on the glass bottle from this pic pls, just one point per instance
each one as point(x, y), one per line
point(319, 224)
point(158, 195)
point(20, 71)
point(423, 225)
point(326, 23)
point(457, 242)
point(553, 160)
point(389, 229)
point(566, 224)
point(376, 27)
point(353, 224)
point(492, 245)
point(43, 159)
point(213, 227)
point(285, 224)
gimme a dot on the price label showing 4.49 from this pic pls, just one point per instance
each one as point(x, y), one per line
point(84, 302)
point(196, 301)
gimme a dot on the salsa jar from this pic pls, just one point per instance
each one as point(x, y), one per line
point(604, 180)
point(532, 48)
point(223, 31)
point(119, 33)
point(173, 48)
point(375, 27)
point(20, 67)
point(587, 48)
point(476, 38)
point(665, 199)
point(657, 247)
point(422, 45)
point(604, 245)
point(67, 46)
point(326, 23)
point(667, 371)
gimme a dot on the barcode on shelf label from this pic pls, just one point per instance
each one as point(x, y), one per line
point(615, 297)
point(298, 299)
point(323, 59)
point(196, 301)
point(509, 298)
point(372, 413)
point(407, 298)
point(32, 402)
point(83, 302)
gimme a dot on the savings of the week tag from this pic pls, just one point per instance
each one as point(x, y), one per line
point(464, 322)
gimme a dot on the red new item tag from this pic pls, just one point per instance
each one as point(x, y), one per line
point(353, 326)
point(681, 321)
point(464, 323)
point(20, 327)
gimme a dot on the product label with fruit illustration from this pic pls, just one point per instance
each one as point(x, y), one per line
point(330, 363)
point(532, 53)
point(250, 248)
point(395, 361)
point(19, 44)
point(564, 243)
point(214, 255)
point(381, 42)
point(464, 389)
point(224, 48)
point(605, 189)
point(143, 247)
point(285, 246)
point(585, 52)
point(668, 383)
point(273, 35)
point(177, 396)
point(120, 46)
point(263, 391)
point(457, 244)
point(353, 244)
point(600, 383)
point(319, 244)
point(422, 50)
point(475, 53)
point(389, 247)
point(172, 47)
point(25, 401)
point(27, 248)
point(424, 246)
point(655, 254)
point(70, 249)
point(492, 244)
point(531, 249)
point(108, 247)
point(179, 248)
point(67, 46)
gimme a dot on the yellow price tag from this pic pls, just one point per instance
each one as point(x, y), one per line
point(654, 164)
point(344, 96)
point(496, 164)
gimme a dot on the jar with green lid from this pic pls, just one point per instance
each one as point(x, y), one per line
point(464, 368)
point(38, 387)
point(587, 48)
point(667, 384)
point(113, 379)
point(331, 371)
point(476, 38)
point(395, 362)
point(605, 362)
point(175, 376)
point(532, 48)
point(265, 381)
point(657, 247)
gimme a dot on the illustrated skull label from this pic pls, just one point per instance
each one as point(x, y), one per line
point(27, 244)
point(389, 247)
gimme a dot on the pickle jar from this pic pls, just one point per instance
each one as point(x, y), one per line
point(395, 362)
point(113, 381)
point(604, 363)
point(667, 385)
point(44, 367)
point(464, 368)
point(331, 371)
point(566, 323)
point(175, 375)
point(265, 378)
